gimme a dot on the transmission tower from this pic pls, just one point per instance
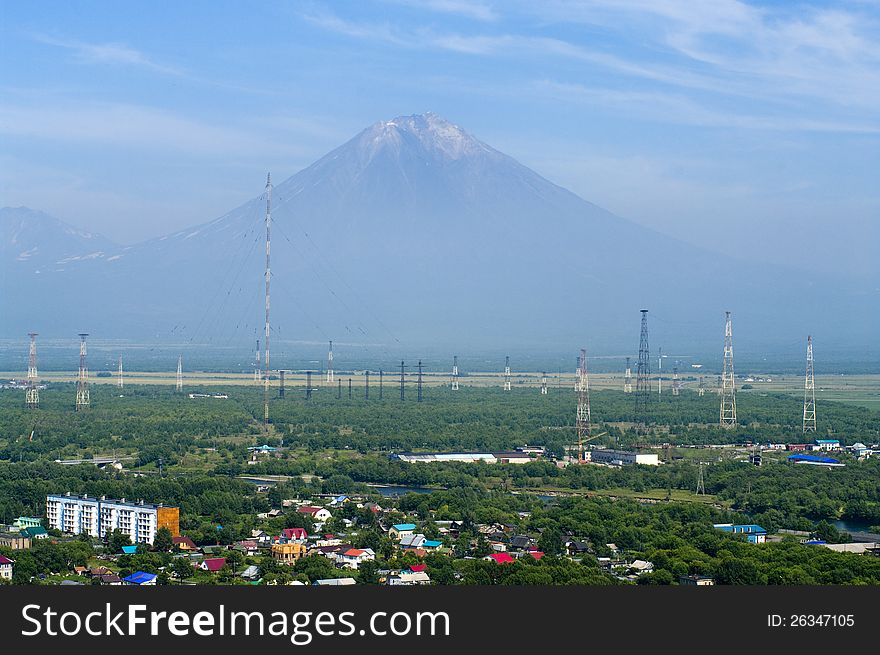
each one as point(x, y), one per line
point(308, 385)
point(676, 383)
point(809, 391)
point(628, 378)
point(659, 371)
point(702, 388)
point(544, 383)
point(268, 278)
point(82, 382)
point(455, 372)
point(584, 422)
point(257, 364)
point(32, 394)
point(180, 373)
point(366, 385)
point(577, 375)
point(701, 483)
point(281, 373)
point(643, 373)
point(381, 376)
point(420, 382)
point(330, 364)
point(507, 373)
point(402, 379)
point(728, 383)
point(119, 381)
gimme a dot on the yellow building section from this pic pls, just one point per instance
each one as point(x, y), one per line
point(288, 553)
point(169, 517)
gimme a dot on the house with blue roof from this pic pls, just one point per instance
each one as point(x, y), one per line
point(34, 532)
point(431, 544)
point(141, 579)
point(815, 460)
point(401, 530)
point(129, 550)
point(754, 533)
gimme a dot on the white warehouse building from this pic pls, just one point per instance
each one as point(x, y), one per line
point(623, 457)
point(98, 517)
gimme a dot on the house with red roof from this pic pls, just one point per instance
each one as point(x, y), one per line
point(184, 544)
point(537, 554)
point(295, 534)
point(213, 564)
point(499, 558)
point(353, 557)
point(418, 568)
point(6, 568)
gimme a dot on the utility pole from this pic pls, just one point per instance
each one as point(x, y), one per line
point(643, 373)
point(628, 378)
point(455, 372)
point(507, 373)
point(584, 422)
point(32, 393)
point(82, 382)
point(809, 391)
point(268, 278)
point(728, 383)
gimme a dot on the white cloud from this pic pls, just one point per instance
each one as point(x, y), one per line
point(108, 53)
point(467, 8)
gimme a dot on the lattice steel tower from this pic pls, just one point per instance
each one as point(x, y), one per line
point(628, 378)
point(32, 393)
point(544, 383)
point(420, 382)
point(676, 383)
point(584, 423)
point(809, 391)
point(330, 364)
point(507, 373)
point(643, 373)
point(82, 381)
point(728, 383)
point(455, 372)
point(402, 379)
point(257, 364)
point(179, 385)
point(268, 278)
point(119, 380)
point(702, 389)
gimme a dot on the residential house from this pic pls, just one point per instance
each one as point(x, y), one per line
point(432, 544)
point(537, 554)
point(295, 534)
point(141, 579)
point(15, 541)
point(34, 532)
point(6, 567)
point(499, 558)
point(400, 530)
point(754, 533)
point(213, 564)
point(696, 580)
point(288, 553)
point(339, 500)
point(408, 578)
point(247, 546)
point(520, 542)
point(353, 557)
point(251, 573)
point(827, 444)
point(317, 513)
point(334, 582)
point(184, 544)
point(411, 541)
point(110, 579)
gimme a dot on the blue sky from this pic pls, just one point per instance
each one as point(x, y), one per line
point(738, 126)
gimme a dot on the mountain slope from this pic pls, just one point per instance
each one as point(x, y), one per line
point(415, 232)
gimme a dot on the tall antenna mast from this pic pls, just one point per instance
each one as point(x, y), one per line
point(728, 383)
point(308, 385)
point(82, 381)
point(32, 394)
point(381, 377)
point(809, 391)
point(268, 278)
point(179, 385)
point(455, 372)
point(628, 378)
point(544, 383)
point(402, 379)
point(257, 365)
point(676, 383)
point(281, 373)
point(366, 385)
point(420, 381)
point(584, 426)
point(507, 373)
point(643, 373)
point(330, 364)
point(119, 381)
point(702, 389)
point(659, 371)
